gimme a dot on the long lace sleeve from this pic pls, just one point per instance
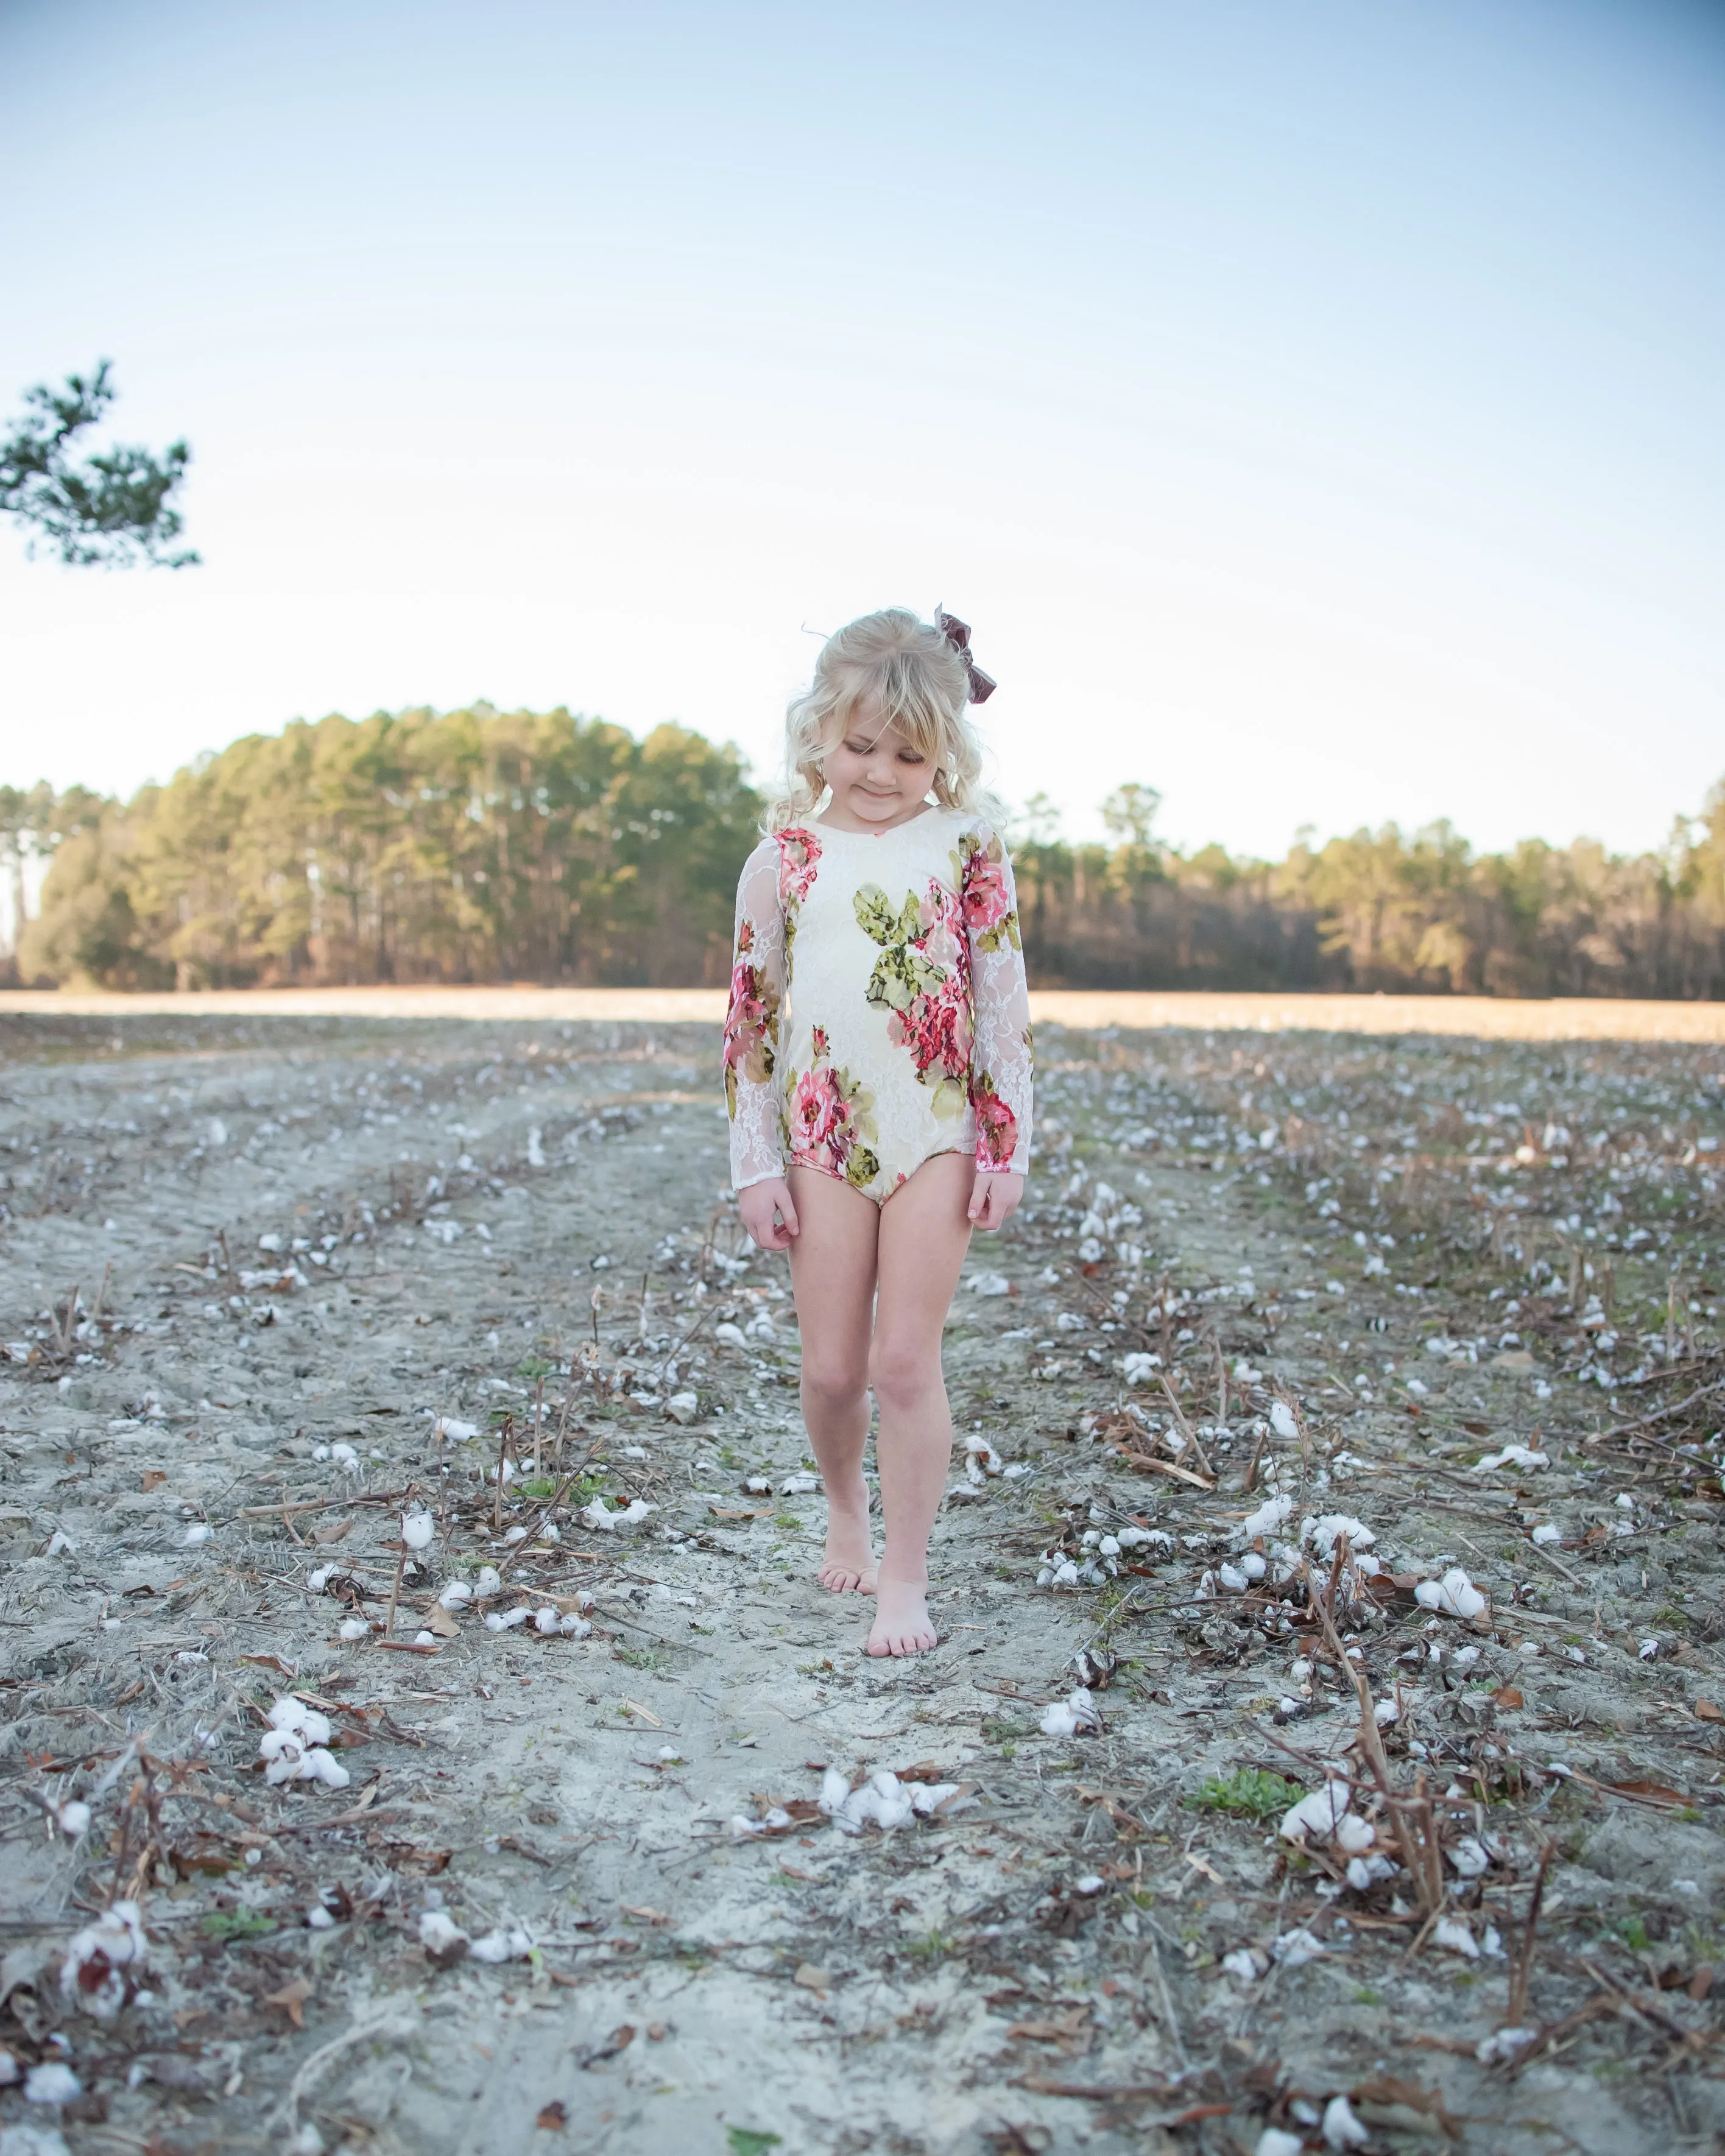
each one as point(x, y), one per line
point(757, 985)
point(1001, 1069)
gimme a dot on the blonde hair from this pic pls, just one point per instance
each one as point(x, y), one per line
point(915, 680)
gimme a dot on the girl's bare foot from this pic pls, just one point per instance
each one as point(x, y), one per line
point(848, 1566)
point(902, 1624)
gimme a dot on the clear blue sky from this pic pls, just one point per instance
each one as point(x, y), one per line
point(1316, 406)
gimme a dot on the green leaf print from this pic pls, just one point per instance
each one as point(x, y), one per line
point(862, 1168)
point(875, 915)
point(900, 974)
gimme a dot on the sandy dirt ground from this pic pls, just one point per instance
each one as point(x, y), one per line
point(422, 1732)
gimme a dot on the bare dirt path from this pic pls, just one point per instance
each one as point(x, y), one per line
point(264, 1282)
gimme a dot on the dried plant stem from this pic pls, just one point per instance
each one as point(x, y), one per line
point(503, 1437)
point(1415, 1818)
point(1521, 1972)
point(1186, 1429)
point(539, 1429)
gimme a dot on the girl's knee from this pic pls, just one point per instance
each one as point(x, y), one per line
point(833, 1385)
point(902, 1372)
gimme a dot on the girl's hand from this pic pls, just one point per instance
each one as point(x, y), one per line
point(769, 1215)
point(994, 1198)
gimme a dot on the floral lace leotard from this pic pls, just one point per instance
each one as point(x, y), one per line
point(879, 1013)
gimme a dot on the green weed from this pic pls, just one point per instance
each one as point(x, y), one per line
point(1252, 1792)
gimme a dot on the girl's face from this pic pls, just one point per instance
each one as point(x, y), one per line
point(877, 777)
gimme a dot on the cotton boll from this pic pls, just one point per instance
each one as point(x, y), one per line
point(507, 1621)
point(442, 1938)
point(926, 1797)
point(573, 1627)
point(546, 1619)
point(416, 1529)
point(456, 1595)
point(1067, 1717)
point(835, 1788)
point(1241, 1965)
point(199, 1531)
point(1235, 1581)
point(515, 1535)
point(489, 1580)
point(1282, 1422)
point(1252, 1565)
point(799, 1484)
point(316, 1582)
point(1317, 1813)
point(1353, 1834)
point(51, 2082)
point(320, 1766)
point(352, 1628)
point(1451, 1932)
point(288, 1713)
point(72, 1818)
point(1269, 1519)
point(512, 1944)
point(1547, 1533)
point(1340, 2129)
point(1454, 1595)
point(1274, 2141)
point(100, 1962)
point(344, 1456)
point(458, 1433)
point(1468, 1859)
point(1294, 1949)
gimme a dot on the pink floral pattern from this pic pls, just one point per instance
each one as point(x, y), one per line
point(798, 859)
point(862, 1053)
point(830, 1114)
point(752, 1023)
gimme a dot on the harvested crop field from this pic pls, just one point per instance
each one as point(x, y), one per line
point(409, 1611)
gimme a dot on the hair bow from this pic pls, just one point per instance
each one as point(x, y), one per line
point(957, 634)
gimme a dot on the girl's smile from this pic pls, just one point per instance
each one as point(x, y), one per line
point(877, 777)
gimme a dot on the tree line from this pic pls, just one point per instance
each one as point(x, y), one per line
point(479, 845)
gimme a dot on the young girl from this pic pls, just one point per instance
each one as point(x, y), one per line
point(877, 1069)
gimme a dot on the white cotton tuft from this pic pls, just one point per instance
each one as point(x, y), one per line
point(1354, 1835)
point(1316, 1815)
point(1294, 1949)
point(94, 1974)
point(1282, 1422)
point(835, 1788)
point(316, 1582)
point(442, 1938)
point(1451, 1932)
point(200, 1531)
point(573, 1627)
point(504, 1944)
point(507, 1621)
point(1271, 1518)
point(1274, 2141)
point(1454, 1595)
point(416, 1529)
point(1547, 1533)
point(1341, 2129)
point(1066, 1718)
point(352, 1628)
point(72, 1818)
point(546, 1619)
point(50, 2082)
point(456, 1595)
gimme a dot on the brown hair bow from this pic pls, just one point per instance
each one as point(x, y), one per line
point(957, 634)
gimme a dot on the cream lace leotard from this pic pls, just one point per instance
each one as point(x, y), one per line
point(878, 1013)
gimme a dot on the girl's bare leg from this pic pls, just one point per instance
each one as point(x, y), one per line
point(832, 1278)
point(924, 1234)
